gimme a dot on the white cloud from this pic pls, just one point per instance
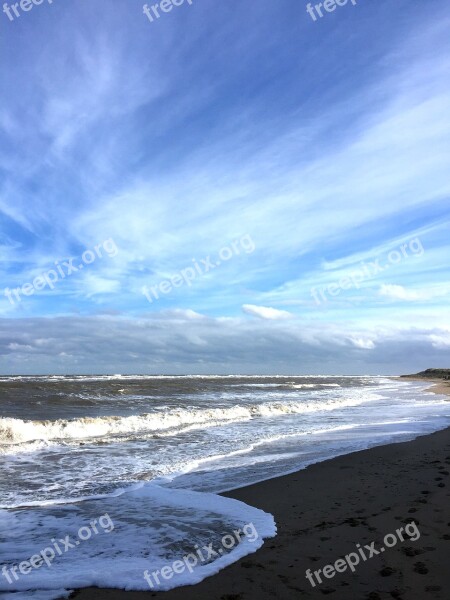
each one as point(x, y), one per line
point(362, 343)
point(93, 284)
point(265, 312)
point(398, 292)
point(441, 341)
point(181, 314)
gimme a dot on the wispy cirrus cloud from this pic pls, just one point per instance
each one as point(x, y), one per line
point(113, 130)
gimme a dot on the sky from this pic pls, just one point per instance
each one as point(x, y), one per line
point(233, 187)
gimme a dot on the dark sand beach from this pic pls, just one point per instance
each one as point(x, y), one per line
point(323, 511)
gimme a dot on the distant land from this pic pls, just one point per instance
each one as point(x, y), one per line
point(431, 374)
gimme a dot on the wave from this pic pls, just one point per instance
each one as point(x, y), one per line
point(286, 385)
point(118, 377)
point(18, 431)
point(299, 386)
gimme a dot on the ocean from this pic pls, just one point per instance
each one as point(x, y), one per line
point(118, 476)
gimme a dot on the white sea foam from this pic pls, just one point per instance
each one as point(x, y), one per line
point(142, 539)
point(299, 386)
point(18, 431)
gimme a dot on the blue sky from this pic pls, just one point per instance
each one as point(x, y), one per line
point(326, 143)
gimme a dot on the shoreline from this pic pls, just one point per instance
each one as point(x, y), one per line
point(438, 386)
point(323, 511)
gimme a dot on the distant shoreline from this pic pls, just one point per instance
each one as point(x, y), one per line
point(440, 379)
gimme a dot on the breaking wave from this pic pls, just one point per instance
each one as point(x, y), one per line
point(18, 431)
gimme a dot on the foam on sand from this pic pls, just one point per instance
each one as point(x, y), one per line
point(152, 528)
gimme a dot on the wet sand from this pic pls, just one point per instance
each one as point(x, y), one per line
point(440, 386)
point(323, 511)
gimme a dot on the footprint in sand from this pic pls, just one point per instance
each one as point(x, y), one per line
point(409, 551)
point(421, 568)
point(387, 571)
